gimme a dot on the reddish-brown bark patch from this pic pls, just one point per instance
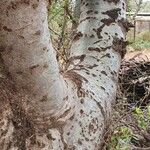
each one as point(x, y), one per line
point(104, 72)
point(119, 45)
point(89, 11)
point(99, 30)
point(44, 98)
point(45, 65)
point(7, 29)
point(77, 36)
point(35, 5)
point(93, 66)
point(34, 67)
point(15, 4)
point(49, 136)
point(125, 24)
point(113, 13)
point(112, 1)
point(107, 21)
point(94, 49)
point(88, 18)
point(38, 32)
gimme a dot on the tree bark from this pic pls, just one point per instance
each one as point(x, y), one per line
point(54, 111)
point(29, 56)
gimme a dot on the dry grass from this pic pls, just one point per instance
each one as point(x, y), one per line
point(130, 124)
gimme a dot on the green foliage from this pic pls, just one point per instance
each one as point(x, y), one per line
point(145, 6)
point(57, 17)
point(143, 118)
point(142, 40)
point(124, 134)
point(140, 44)
point(132, 6)
point(60, 25)
point(144, 36)
point(56, 13)
point(120, 139)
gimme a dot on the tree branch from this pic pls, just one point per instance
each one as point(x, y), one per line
point(29, 57)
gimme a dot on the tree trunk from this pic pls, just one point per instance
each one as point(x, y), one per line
point(76, 14)
point(43, 109)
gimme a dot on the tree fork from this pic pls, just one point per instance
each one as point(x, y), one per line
point(77, 104)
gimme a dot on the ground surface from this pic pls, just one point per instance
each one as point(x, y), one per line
point(145, 54)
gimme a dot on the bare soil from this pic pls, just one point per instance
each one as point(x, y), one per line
point(138, 55)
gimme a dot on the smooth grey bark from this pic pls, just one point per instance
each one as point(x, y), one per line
point(54, 111)
point(29, 56)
